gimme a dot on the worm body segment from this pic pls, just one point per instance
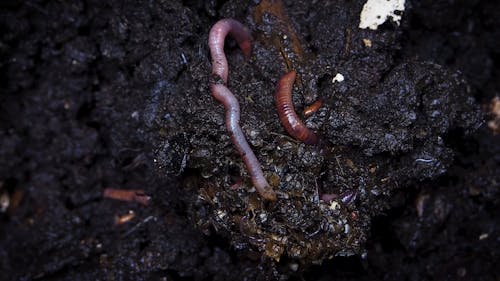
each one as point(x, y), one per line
point(286, 112)
point(222, 94)
point(216, 40)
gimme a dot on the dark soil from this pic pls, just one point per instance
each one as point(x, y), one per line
point(115, 94)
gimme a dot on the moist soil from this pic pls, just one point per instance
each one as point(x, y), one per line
point(403, 184)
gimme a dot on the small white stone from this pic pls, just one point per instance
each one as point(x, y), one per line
point(338, 78)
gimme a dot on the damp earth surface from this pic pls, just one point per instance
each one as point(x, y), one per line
point(403, 184)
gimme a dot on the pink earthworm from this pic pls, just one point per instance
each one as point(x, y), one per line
point(222, 94)
point(286, 112)
point(216, 40)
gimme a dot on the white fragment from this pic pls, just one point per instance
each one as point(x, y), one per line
point(334, 206)
point(338, 78)
point(221, 214)
point(367, 42)
point(423, 160)
point(184, 60)
point(483, 236)
point(263, 217)
point(4, 202)
point(376, 12)
point(183, 164)
point(347, 228)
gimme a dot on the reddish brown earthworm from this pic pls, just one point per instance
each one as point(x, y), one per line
point(286, 112)
point(132, 195)
point(222, 94)
point(216, 40)
point(313, 108)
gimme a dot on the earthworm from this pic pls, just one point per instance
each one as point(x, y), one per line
point(313, 108)
point(286, 112)
point(132, 195)
point(222, 94)
point(216, 39)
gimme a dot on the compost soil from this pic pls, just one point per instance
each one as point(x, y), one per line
point(403, 185)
